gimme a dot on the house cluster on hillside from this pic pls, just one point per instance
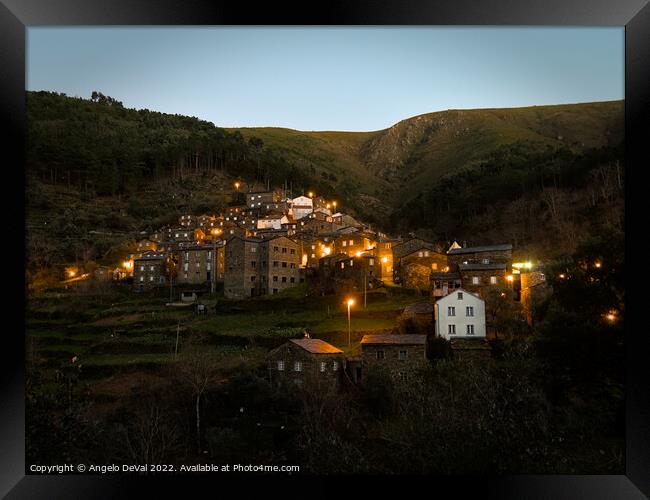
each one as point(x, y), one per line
point(273, 242)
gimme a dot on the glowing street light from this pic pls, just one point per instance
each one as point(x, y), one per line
point(334, 205)
point(310, 194)
point(384, 259)
point(510, 278)
point(237, 186)
point(350, 303)
point(598, 264)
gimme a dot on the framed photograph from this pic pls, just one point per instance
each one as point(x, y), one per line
point(382, 243)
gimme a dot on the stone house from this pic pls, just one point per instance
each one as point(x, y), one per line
point(534, 291)
point(196, 265)
point(352, 244)
point(419, 317)
point(306, 362)
point(148, 272)
point(470, 349)
point(400, 355)
point(241, 271)
point(301, 207)
point(414, 270)
point(477, 278)
point(479, 255)
point(260, 199)
point(260, 266)
point(444, 283)
point(283, 269)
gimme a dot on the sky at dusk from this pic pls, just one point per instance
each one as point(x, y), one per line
point(355, 79)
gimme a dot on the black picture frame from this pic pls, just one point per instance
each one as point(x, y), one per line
point(16, 15)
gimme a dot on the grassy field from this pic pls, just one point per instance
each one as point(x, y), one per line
point(129, 333)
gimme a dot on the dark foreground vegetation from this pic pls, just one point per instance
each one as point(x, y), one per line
point(549, 401)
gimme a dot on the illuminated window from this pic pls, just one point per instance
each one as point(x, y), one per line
point(151, 268)
point(323, 366)
point(335, 365)
point(281, 366)
point(141, 278)
point(345, 243)
point(493, 280)
point(351, 242)
point(297, 366)
point(371, 262)
point(475, 280)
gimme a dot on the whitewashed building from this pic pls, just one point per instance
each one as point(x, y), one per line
point(460, 314)
point(272, 222)
point(301, 207)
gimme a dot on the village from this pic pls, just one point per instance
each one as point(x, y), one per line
point(267, 243)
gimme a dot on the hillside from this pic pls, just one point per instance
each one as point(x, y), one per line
point(537, 176)
point(412, 154)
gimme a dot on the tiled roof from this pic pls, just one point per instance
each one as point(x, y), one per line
point(316, 346)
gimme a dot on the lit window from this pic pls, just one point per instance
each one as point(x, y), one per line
point(335, 365)
point(351, 242)
point(281, 366)
point(475, 280)
point(151, 268)
point(345, 243)
point(485, 261)
point(297, 366)
point(253, 249)
point(150, 278)
point(141, 268)
point(141, 278)
point(313, 247)
point(493, 280)
point(371, 262)
point(420, 254)
point(323, 366)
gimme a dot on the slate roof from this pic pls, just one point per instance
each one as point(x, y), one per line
point(486, 248)
point(391, 338)
point(316, 346)
point(482, 267)
point(419, 308)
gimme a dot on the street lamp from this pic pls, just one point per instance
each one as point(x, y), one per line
point(350, 303)
point(311, 194)
point(237, 186)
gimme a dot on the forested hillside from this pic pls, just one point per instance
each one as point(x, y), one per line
point(541, 177)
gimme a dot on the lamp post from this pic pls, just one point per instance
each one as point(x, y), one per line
point(350, 302)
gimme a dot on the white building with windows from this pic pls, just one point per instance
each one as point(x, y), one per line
point(460, 314)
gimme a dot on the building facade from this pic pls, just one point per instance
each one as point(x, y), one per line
point(460, 314)
point(306, 362)
point(400, 355)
